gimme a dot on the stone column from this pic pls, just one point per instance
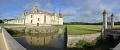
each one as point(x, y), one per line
point(104, 19)
point(112, 21)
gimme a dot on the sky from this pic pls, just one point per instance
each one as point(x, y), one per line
point(73, 10)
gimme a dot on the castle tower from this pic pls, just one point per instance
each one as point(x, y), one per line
point(60, 14)
point(33, 10)
point(112, 21)
point(24, 13)
point(54, 13)
point(104, 19)
point(36, 9)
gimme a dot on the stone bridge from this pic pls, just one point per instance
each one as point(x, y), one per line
point(7, 42)
point(115, 33)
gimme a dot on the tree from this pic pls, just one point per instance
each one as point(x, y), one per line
point(1, 21)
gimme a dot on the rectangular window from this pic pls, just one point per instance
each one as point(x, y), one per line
point(31, 16)
point(38, 19)
point(31, 21)
point(45, 19)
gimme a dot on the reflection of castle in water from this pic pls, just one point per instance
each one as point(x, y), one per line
point(41, 41)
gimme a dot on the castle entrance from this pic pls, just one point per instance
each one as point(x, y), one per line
point(37, 24)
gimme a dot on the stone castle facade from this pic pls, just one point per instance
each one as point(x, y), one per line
point(37, 17)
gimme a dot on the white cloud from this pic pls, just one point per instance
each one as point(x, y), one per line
point(69, 12)
point(91, 9)
point(117, 17)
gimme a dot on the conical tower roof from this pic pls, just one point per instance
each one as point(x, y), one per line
point(112, 14)
point(104, 12)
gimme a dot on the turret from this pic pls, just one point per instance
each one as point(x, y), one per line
point(54, 13)
point(24, 13)
point(60, 14)
point(35, 9)
point(104, 19)
point(112, 21)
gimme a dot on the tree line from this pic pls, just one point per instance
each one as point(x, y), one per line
point(86, 23)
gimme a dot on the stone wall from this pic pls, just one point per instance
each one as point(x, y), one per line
point(73, 39)
point(9, 42)
point(14, 26)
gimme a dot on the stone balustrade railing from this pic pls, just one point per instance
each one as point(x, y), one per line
point(10, 42)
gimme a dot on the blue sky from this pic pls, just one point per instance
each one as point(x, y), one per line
point(73, 10)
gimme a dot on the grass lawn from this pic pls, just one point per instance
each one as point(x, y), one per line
point(94, 27)
point(117, 26)
point(61, 26)
point(85, 29)
point(11, 24)
point(77, 30)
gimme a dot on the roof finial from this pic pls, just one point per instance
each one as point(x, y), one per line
point(60, 11)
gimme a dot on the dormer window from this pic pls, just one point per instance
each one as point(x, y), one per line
point(31, 16)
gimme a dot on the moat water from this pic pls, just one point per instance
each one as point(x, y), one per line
point(53, 42)
point(56, 42)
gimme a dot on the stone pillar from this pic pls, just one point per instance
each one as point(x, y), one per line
point(112, 21)
point(104, 19)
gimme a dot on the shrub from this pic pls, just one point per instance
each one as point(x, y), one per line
point(36, 30)
point(84, 43)
point(12, 32)
point(29, 31)
point(23, 31)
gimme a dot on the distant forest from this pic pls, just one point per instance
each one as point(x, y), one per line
point(1, 21)
point(86, 23)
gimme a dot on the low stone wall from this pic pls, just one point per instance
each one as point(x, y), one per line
point(10, 42)
point(14, 26)
point(73, 39)
point(42, 29)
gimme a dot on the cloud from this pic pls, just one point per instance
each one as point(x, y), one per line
point(30, 5)
point(117, 17)
point(73, 10)
point(69, 12)
point(91, 11)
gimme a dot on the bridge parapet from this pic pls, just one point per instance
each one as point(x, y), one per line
point(113, 31)
point(117, 47)
point(10, 42)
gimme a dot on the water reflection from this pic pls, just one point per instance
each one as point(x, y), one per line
point(43, 40)
point(38, 41)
